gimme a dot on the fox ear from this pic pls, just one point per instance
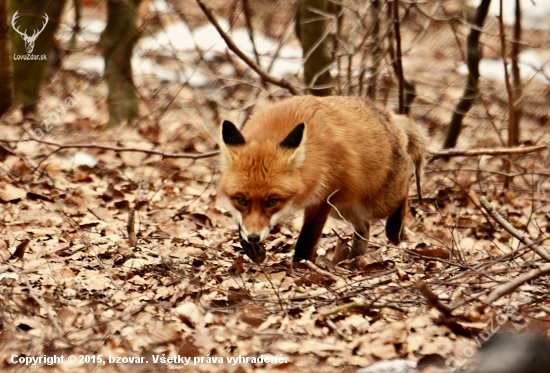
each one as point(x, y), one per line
point(231, 136)
point(294, 138)
point(294, 141)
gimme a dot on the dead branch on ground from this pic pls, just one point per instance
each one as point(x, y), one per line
point(432, 298)
point(513, 231)
point(117, 149)
point(509, 287)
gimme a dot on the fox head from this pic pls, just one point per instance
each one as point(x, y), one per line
point(261, 179)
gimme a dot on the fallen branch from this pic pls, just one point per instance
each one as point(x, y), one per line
point(445, 153)
point(253, 65)
point(117, 149)
point(321, 271)
point(432, 298)
point(509, 287)
point(513, 231)
point(455, 152)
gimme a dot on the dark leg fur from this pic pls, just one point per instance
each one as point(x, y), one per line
point(314, 221)
point(359, 246)
point(394, 223)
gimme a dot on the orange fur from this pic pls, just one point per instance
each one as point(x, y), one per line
point(348, 145)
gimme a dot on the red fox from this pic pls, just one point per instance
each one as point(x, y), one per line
point(295, 153)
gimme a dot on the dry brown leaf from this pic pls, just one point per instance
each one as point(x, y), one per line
point(189, 313)
point(11, 193)
point(186, 252)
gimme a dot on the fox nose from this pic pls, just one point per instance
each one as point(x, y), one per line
point(253, 238)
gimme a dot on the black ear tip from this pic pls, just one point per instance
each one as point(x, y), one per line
point(231, 134)
point(294, 138)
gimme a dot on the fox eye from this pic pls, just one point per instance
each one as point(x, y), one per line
point(241, 201)
point(272, 202)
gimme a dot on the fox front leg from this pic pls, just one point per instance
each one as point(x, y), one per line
point(314, 221)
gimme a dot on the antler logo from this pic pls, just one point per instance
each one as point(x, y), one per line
point(29, 40)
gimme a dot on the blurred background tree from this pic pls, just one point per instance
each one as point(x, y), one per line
point(28, 75)
point(311, 30)
point(6, 82)
point(117, 41)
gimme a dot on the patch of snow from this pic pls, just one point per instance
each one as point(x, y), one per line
point(175, 37)
point(535, 14)
point(160, 6)
point(530, 65)
point(178, 40)
point(95, 65)
point(84, 159)
point(90, 32)
point(92, 65)
point(145, 66)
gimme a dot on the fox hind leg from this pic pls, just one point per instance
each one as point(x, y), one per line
point(360, 239)
point(394, 223)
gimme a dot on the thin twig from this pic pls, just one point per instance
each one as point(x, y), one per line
point(331, 324)
point(513, 231)
point(253, 65)
point(456, 152)
point(371, 305)
point(342, 217)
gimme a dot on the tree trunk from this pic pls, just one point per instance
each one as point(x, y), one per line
point(6, 82)
point(118, 40)
point(311, 29)
point(514, 130)
point(470, 93)
point(36, 21)
point(377, 54)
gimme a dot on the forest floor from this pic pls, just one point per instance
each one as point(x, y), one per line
point(106, 253)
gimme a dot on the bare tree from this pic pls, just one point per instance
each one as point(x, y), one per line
point(34, 24)
point(514, 136)
point(470, 92)
point(311, 30)
point(6, 83)
point(117, 41)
